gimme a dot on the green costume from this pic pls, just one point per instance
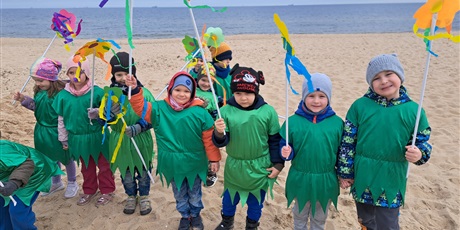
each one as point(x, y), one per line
point(84, 138)
point(181, 153)
point(12, 155)
point(248, 153)
point(380, 162)
point(46, 131)
point(312, 175)
point(127, 157)
point(208, 97)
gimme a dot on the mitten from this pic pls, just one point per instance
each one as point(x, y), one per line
point(220, 101)
point(115, 109)
point(9, 188)
point(133, 130)
point(93, 113)
point(214, 114)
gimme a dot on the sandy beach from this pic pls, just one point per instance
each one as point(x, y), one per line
point(432, 193)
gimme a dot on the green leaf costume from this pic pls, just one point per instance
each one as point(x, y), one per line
point(181, 153)
point(127, 157)
point(380, 162)
point(248, 153)
point(12, 155)
point(312, 176)
point(46, 131)
point(84, 139)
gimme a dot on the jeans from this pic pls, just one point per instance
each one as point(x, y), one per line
point(254, 207)
point(20, 216)
point(317, 222)
point(378, 218)
point(142, 185)
point(188, 201)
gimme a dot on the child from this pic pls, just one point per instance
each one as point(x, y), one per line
point(221, 58)
point(376, 144)
point(252, 141)
point(183, 129)
point(25, 173)
point(199, 62)
point(128, 161)
point(203, 91)
point(83, 139)
point(45, 74)
point(315, 133)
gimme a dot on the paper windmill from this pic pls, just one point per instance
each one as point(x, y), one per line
point(214, 36)
point(98, 48)
point(291, 59)
point(191, 46)
point(445, 10)
point(113, 95)
point(64, 24)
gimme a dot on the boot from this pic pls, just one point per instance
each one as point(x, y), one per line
point(227, 223)
point(251, 224)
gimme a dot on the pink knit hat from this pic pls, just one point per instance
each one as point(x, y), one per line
point(84, 66)
point(46, 69)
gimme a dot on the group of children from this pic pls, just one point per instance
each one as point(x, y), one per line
point(369, 152)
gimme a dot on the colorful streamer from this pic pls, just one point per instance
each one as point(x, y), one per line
point(64, 24)
point(129, 31)
point(291, 59)
point(113, 95)
point(98, 48)
point(445, 10)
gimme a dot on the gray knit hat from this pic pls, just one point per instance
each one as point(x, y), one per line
point(321, 82)
point(384, 62)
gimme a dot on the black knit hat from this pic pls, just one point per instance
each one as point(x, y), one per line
point(246, 79)
point(120, 63)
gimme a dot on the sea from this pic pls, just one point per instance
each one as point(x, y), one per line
point(176, 22)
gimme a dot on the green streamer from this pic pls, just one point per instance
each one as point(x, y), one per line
point(129, 31)
point(204, 6)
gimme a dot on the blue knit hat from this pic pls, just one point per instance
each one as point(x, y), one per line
point(183, 80)
point(384, 62)
point(321, 82)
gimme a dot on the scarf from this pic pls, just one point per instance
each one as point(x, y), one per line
point(222, 72)
point(178, 107)
point(71, 89)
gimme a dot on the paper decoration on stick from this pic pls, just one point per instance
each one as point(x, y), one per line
point(103, 2)
point(291, 59)
point(98, 48)
point(214, 36)
point(113, 95)
point(64, 24)
point(203, 7)
point(445, 10)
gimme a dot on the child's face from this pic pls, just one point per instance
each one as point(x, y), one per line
point(224, 63)
point(316, 101)
point(42, 83)
point(199, 63)
point(73, 79)
point(244, 99)
point(181, 94)
point(203, 83)
point(120, 77)
point(386, 84)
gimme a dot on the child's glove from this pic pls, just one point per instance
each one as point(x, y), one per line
point(133, 130)
point(220, 101)
point(9, 188)
point(93, 113)
point(115, 109)
point(214, 114)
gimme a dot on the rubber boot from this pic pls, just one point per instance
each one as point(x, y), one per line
point(251, 224)
point(227, 223)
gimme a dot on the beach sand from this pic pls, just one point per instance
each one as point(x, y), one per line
point(432, 198)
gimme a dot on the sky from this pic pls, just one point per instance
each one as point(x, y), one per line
point(4, 4)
